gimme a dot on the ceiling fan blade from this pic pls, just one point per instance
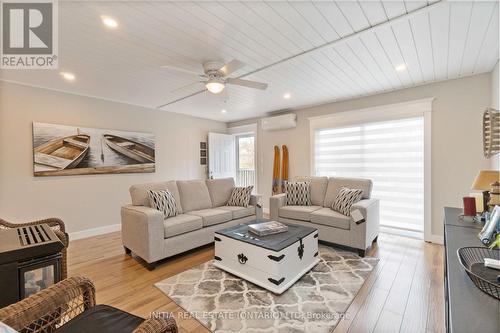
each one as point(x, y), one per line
point(247, 83)
point(182, 70)
point(231, 66)
point(186, 86)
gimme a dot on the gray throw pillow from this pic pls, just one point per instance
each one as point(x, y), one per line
point(298, 193)
point(346, 197)
point(164, 201)
point(240, 196)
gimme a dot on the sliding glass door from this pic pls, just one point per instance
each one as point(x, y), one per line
point(391, 153)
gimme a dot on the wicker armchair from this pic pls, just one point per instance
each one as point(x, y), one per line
point(51, 308)
point(57, 225)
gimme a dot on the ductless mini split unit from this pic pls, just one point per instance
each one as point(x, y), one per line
point(281, 122)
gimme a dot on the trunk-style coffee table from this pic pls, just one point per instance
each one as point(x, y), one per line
point(274, 262)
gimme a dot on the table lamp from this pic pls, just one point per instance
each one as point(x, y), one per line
point(488, 181)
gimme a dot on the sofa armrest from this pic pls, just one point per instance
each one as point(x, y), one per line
point(143, 231)
point(50, 307)
point(255, 200)
point(157, 325)
point(363, 234)
point(275, 202)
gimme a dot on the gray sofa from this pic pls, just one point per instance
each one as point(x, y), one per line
point(201, 204)
point(333, 227)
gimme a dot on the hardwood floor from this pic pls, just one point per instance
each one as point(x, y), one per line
point(404, 293)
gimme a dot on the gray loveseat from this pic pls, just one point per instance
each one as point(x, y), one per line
point(201, 204)
point(332, 226)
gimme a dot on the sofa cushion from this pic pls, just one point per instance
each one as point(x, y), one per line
point(318, 188)
point(298, 212)
point(239, 212)
point(103, 319)
point(220, 190)
point(140, 197)
point(194, 195)
point(212, 216)
point(181, 224)
point(336, 183)
point(331, 218)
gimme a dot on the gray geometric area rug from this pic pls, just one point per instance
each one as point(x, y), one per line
point(224, 303)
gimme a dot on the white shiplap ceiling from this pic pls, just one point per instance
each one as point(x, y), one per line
point(319, 51)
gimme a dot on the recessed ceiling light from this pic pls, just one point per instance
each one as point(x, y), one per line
point(401, 67)
point(109, 21)
point(223, 111)
point(68, 76)
point(287, 96)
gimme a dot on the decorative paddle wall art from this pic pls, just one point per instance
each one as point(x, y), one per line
point(279, 183)
point(60, 150)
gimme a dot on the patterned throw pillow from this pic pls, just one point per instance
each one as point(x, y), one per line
point(346, 197)
point(240, 196)
point(298, 193)
point(164, 201)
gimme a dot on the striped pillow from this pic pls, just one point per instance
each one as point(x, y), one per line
point(164, 201)
point(240, 196)
point(346, 197)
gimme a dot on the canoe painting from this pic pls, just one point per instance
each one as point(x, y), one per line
point(61, 153)
point(136, 151)
point(60, 150)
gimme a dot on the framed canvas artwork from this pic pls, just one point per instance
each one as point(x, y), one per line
point(60, 150)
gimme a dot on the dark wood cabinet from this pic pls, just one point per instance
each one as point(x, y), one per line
point(468, 309)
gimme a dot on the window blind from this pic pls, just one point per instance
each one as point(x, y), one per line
point(391, 154)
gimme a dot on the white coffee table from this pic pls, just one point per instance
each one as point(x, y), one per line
point(273, 262)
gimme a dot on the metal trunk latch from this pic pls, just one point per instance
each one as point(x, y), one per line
point(242, 258)
point(300, 249)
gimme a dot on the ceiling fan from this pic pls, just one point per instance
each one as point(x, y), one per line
point(215, 76)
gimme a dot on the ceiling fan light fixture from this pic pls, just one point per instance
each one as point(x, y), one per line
point(214, 86)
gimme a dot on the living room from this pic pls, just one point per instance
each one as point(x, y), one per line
point(143, 145)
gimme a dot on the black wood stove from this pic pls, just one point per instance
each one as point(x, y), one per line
point(30, 260)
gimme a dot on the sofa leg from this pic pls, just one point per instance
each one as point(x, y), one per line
point(150, 266)
point(361, 253)
point(127, 250)
point(376, 239)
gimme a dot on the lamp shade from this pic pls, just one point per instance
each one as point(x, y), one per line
point(484, 179)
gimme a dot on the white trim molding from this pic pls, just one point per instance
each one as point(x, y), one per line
point(94, 232)
point(420, 107)
point(243, 129)
point(381, 112)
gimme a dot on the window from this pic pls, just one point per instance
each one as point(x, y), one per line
point(245, 160)
point(391, 153)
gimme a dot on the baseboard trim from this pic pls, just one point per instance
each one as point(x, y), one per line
point(94, 231)
point(436, 239)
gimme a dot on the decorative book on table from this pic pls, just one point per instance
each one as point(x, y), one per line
point(267, 228)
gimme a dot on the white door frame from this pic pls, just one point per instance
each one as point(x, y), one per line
point(421, 107)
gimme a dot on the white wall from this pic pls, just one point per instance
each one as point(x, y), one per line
point(90, 201)
point(456, 138)
point(495, 103)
